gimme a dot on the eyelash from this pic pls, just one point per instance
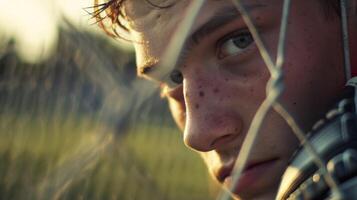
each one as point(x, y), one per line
point(220, 43)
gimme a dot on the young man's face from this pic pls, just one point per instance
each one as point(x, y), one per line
point(224, 79)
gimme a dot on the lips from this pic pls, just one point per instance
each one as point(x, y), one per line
point(226, 171)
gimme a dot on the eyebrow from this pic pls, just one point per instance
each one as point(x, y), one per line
point(220, 19)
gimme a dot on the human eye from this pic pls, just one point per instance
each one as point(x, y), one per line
point(173, 87)
point(176, 76)
point(175, 79)
point(234, 44)
point(172, 80)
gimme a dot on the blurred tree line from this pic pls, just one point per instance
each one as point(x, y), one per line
point(80, 77)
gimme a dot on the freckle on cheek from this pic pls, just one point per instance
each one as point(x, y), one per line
point(197, 106)
point(202, 94)
point(216, 90)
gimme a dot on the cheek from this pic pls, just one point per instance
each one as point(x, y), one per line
point(311, 82)
point(281, 139)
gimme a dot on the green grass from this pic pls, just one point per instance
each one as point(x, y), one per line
point(57, 158)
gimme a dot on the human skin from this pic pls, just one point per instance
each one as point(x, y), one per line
point(224, 83)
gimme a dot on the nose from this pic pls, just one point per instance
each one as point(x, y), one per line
point(212, 121)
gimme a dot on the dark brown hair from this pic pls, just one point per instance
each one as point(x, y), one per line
point(111, 10)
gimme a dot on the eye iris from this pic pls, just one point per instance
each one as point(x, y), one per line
point(176, 76)
point(243, 41)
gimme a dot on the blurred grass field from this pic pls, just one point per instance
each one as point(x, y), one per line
point(42, 158)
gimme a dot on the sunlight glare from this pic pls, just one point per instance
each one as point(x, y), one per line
point(32, 23)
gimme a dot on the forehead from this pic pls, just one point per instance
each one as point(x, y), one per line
point(148, 22)
point(145, 13)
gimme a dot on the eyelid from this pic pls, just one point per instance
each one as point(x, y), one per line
point(228, 37)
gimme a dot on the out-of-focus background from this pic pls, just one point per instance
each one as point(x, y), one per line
point(75, 122)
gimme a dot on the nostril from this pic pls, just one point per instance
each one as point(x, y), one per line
point(224, 140)
point(210, 125)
